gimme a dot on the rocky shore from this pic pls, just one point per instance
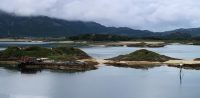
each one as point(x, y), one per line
point(134, 64)
point(67, 66)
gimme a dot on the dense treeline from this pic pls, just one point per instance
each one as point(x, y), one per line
point(100, 37)
point(111, 37)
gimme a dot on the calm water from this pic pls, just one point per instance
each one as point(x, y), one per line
point(107, 81)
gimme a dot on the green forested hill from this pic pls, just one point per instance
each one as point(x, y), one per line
point(12, 25)
point(42, 26)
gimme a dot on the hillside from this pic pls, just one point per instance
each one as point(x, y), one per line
point(12, 25)
point(194, 32)
point(42, 26)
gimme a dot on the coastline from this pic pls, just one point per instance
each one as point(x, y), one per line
point(149, 64)
point(69, 66)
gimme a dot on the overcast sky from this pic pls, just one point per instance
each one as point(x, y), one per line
point(155, 15)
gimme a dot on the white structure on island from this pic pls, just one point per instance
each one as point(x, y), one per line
point(45, 60)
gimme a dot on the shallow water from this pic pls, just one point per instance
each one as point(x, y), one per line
point(187, 52)
point(108, 81)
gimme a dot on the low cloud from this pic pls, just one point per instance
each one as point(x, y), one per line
point(155, 15)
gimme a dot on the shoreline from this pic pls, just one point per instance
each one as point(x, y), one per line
point(149, 64)
point(68, 66)
point(92, 64)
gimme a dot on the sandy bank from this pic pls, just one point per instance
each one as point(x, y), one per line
point(147, 64)
point(134, 64)
point(182, 62)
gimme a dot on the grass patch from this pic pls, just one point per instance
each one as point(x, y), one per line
point(57, 53)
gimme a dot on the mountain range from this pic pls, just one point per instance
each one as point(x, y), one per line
point(12, 25)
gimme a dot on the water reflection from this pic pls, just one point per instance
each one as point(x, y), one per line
point(180, 75)
point(107, 81)
point(177, 51)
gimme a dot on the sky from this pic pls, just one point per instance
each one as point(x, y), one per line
point(154, 15)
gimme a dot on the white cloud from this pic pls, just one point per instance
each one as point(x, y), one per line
point(156, 15)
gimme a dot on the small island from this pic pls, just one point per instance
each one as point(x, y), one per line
point(143, 55)
point(36, 58)
point(139, 59)
point(144, 59)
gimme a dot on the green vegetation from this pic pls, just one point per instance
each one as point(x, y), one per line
point(167, 37)
point(142, 55)
point(58, 53)
point(68, 53)
point(100, 37)
point(42, 26)
point(47, 27)
point(177, 36)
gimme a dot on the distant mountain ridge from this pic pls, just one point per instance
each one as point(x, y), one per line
point(194, 32)
point(12, 25)
point(43, 26)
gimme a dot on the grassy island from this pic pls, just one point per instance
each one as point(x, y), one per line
point(145, 59)
point(142, 55)
point(59, 58)
point(57, 53)
point(139, 59)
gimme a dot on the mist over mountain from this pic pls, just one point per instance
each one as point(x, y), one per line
point(43, 26)
point(194, 32)
point(12, 25)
